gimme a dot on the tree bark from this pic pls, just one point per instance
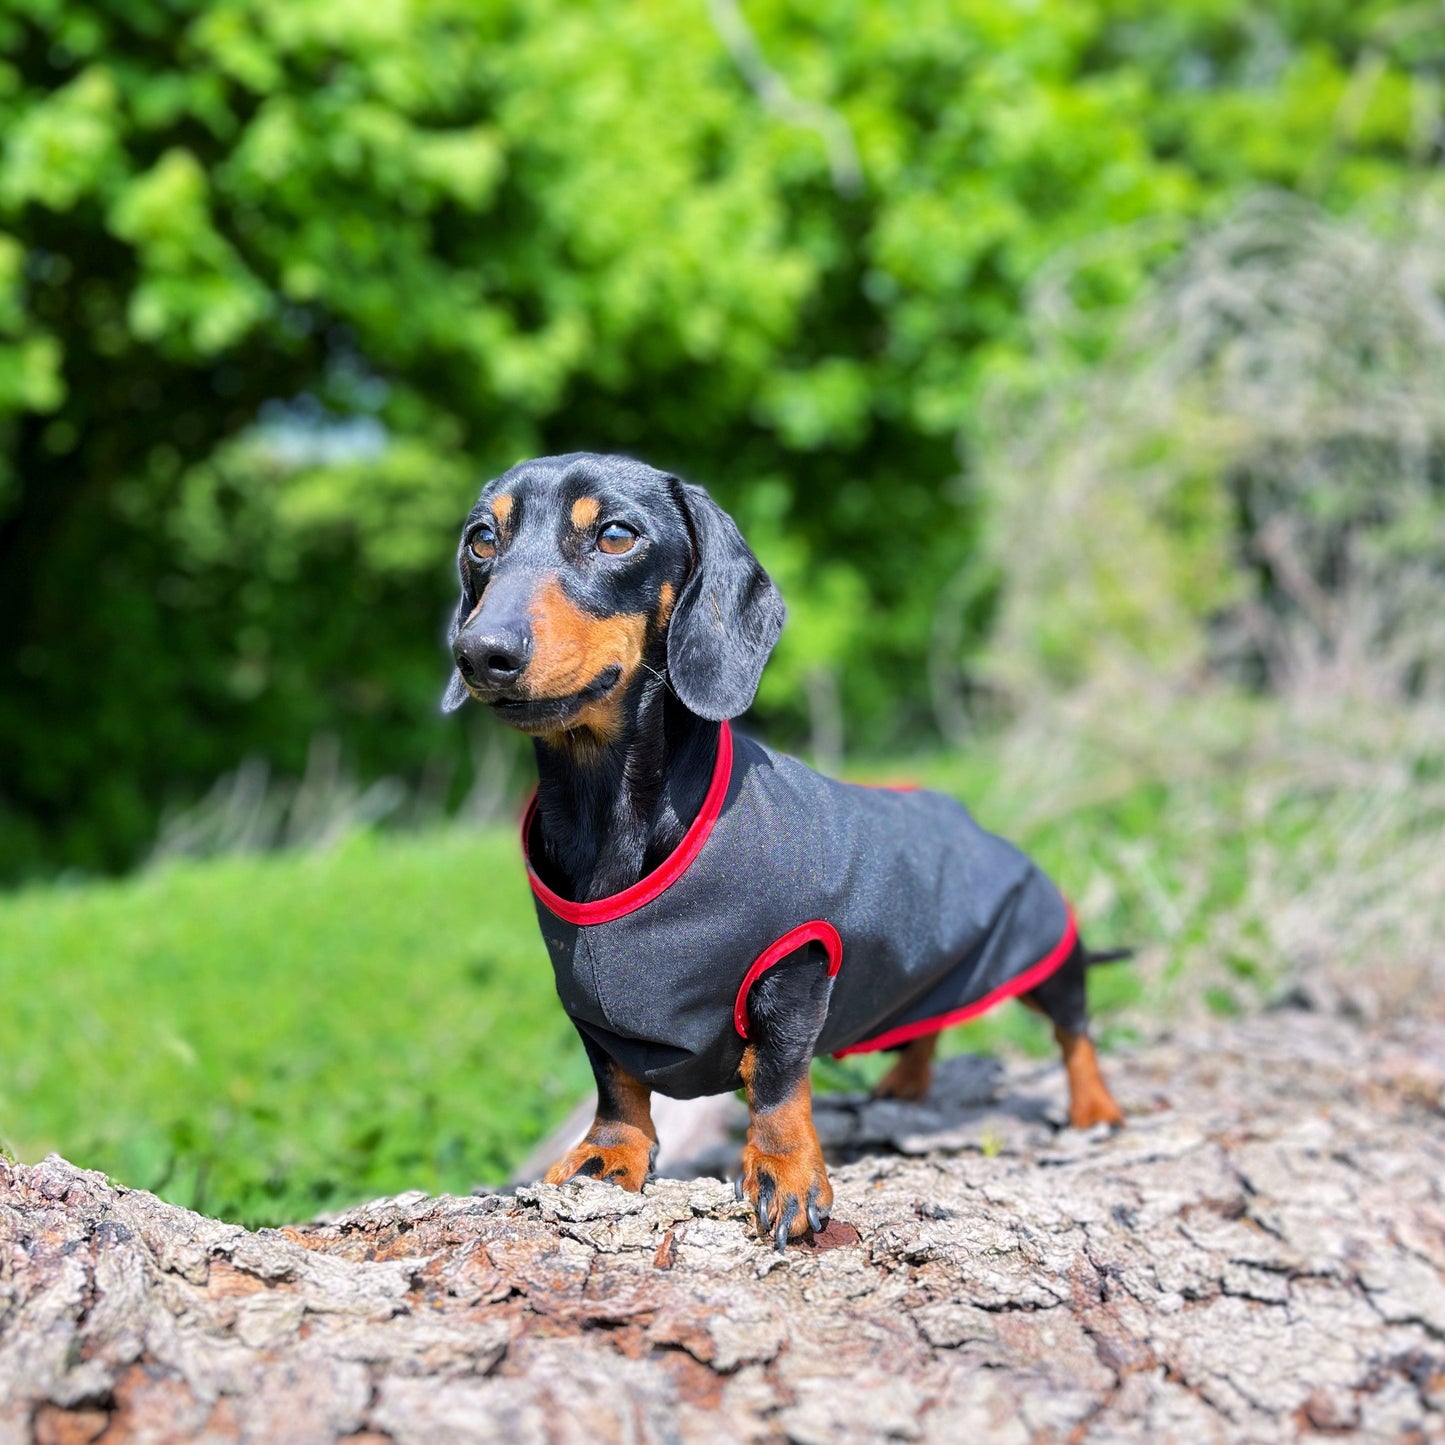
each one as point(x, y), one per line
point(1260, 1255)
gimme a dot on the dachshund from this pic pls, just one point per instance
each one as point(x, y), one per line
point(716, 913)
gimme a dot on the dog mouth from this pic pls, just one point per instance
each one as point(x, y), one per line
point(546, 714)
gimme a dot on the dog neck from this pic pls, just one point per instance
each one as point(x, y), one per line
point(612, 812)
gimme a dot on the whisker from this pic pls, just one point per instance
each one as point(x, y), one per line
point(661, 677)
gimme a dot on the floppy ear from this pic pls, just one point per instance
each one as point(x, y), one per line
point(727, 619)
point(456, 693)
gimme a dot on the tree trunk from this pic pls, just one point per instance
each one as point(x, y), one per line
point(1259, 1255)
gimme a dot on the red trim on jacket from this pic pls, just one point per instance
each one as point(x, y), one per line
point(816, 931)
point(1050, 963)
point(604, 910)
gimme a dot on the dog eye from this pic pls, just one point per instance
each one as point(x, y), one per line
point(616, 538)
point(484, 542)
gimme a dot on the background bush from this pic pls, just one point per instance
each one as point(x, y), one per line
point(281, 281)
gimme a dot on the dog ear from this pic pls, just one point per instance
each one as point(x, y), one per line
point(727, 619)
point(456, 693)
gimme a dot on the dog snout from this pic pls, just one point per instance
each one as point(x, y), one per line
point(493, 658)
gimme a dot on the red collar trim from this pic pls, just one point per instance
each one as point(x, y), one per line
point(604, 910)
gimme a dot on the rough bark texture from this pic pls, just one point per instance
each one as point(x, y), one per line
point(1260, 1255)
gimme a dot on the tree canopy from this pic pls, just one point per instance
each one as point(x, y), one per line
point(283, 281)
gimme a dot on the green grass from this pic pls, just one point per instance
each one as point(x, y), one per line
point(264, 1037)
point(261, 1038)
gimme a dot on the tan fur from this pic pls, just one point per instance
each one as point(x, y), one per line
point(571, 647)
point(502, 511)
point(584, 512)
point(666, 598)
point(624, 1154)
point(623, 1144)
point(1090, 1101)
point(783, 1144)
point(911, 1074)
point(602, 720)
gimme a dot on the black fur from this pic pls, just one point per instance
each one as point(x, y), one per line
point(456, 691)
point(611, 815)
point(612, 821)
point(1108, 955)
point(787, 1008)
point(1063, 995)
point(727, 620)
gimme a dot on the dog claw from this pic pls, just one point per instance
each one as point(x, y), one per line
point(785, 1226)
point(815, 1221)
point(738, 1189)
point(764, 1205)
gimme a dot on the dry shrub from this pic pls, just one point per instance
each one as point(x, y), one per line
point(1290, 844)
point(1358, 898)
point(254, 811)
point(1247, 495)
point(1254, 482)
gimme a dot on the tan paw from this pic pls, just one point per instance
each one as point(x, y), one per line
point(790, 1193)
point(1095, 1106)
point(1090, 1101)
point(626, 1162)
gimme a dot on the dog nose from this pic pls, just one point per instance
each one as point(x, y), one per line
point(493, 659)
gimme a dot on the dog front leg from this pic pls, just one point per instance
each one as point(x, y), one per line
point(621, 1145)
point(784, 1176)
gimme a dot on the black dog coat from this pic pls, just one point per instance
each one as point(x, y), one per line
point(925, 919)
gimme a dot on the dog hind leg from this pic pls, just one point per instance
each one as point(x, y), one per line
point(1062, 997)
point(912, 1071)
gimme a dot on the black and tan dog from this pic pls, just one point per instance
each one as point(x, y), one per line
point(717, 913)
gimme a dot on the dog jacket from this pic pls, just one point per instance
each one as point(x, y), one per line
point(923, 918)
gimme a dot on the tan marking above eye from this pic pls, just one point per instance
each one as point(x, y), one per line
point(585, 511)
point(502, 509)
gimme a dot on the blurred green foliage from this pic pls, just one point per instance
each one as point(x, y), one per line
point(281, 281)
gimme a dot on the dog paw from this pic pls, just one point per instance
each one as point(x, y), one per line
point(790, 1193)
point(1092, 1109)
point(627, 1164)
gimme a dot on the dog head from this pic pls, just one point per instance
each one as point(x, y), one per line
point(580, 571)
